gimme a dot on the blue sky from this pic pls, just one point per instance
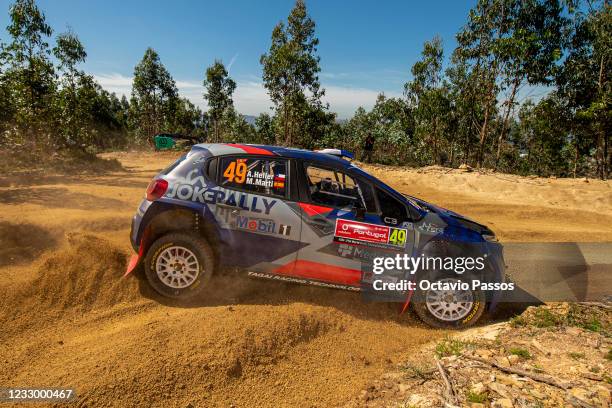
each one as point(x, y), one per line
point(366, 47)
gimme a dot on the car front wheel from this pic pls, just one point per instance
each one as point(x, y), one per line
point(450, 309)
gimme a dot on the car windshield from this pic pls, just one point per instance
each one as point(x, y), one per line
point(414, 202)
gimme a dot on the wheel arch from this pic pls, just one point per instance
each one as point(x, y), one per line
point(442, 247)
point(178, 219)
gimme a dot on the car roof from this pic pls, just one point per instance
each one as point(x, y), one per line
point(219, 149)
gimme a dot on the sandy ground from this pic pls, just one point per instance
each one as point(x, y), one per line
point(69, 320)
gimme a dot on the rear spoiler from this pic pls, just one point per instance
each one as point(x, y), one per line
point(338, 153)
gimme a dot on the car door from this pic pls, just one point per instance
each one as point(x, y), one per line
point(259, 229)
point(342, 227)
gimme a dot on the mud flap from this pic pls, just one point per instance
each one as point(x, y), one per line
point(132, 264)
point(134, 259)
point(407, 302)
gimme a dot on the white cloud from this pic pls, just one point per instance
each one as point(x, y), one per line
point(251, 98)
point(117, 83)
point(122, 85)
point(188, 85)
point(345, 100)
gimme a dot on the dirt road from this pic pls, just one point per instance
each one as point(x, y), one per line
point(69, 320)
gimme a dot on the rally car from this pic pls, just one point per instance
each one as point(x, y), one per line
point(299, 216)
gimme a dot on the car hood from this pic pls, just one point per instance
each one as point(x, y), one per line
point(448, 216)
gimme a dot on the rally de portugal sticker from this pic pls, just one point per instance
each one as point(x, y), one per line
point(354, 232)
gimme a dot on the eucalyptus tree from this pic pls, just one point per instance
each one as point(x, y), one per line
point(154, 93)
point(290, 69)
point(528, 52)
point(583, 83)
point(219, 89)
point(486, 23)
point(69, 51)
point(29, 73)
point(427, 95)
point(264, 129)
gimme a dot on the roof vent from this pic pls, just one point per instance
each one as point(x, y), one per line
point(338, 153)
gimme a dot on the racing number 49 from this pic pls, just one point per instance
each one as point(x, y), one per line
point(397, 236)
point(236, 172)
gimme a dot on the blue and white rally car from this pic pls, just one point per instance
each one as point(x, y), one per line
point(301, 216)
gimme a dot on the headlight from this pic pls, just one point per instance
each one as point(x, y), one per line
point(490, 237)
point(483, 230)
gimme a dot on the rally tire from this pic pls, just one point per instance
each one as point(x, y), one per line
point(190, 247)
point(472, 315)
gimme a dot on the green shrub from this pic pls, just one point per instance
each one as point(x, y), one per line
point(523, 353)
point(476, 397)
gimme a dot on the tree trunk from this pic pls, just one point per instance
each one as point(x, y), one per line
point(606, 154)
point(286, 124)
point(291, 121)
point(490, 96)
point(502, 134)
point(602, 145)
point(483, 134)
point(575, 158)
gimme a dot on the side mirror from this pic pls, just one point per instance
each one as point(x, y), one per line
point(360, 213)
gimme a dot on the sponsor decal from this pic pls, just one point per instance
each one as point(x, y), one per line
point(193, 188)
point(430, 228)
point(357, 252)
point(263, 225)
point(360, 233)
point(470, 316)
point(361, 253)
point(214, 196)
point(302, 281)
point(390, 220)
point(233, 219)
point(407, 225)
point(345, 250)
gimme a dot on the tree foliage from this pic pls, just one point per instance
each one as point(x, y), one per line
point(474, 108)
point(290, 72)
point(29, 74)
point(219, 89)
point(154, 94)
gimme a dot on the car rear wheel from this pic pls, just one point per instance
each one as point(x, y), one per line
point(179, 265)
point(450, 309)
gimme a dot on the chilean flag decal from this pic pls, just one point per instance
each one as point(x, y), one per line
point(279, 181)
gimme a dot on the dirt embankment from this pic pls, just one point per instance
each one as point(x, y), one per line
point(556, 355)
point(70, 320)
point(519, 209)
